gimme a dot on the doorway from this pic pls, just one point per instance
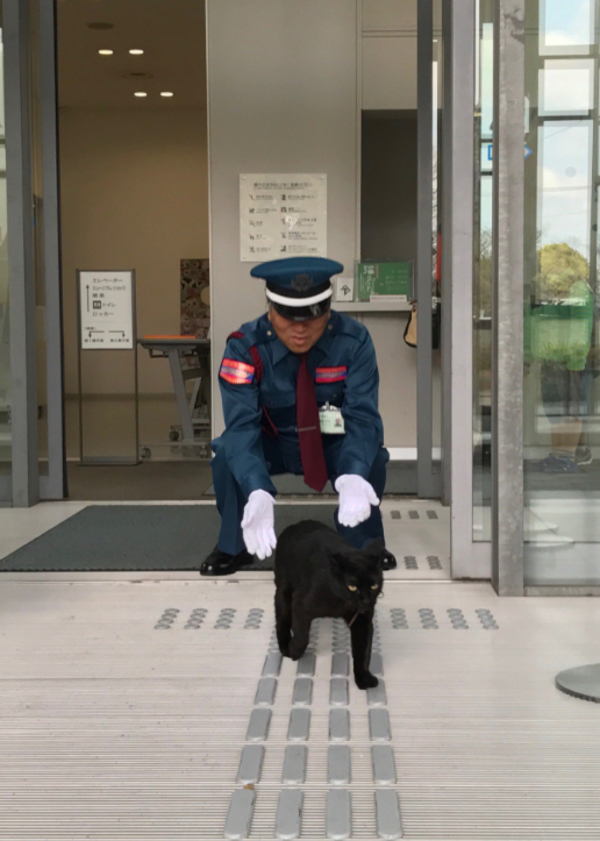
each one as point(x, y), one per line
point(134, 196)
point(431, 461)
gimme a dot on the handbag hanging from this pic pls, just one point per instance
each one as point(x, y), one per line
point(410, 332)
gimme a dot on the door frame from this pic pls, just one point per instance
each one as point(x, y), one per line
point(30, 65)
point(469, 558)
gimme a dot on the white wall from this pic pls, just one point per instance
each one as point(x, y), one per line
point(282, 98)
point(134, 195)
point(286, 86)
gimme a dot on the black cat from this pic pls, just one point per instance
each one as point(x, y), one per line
point(318, 573)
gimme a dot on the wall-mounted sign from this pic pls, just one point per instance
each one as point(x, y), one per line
point(106, 310)
point(282, 216)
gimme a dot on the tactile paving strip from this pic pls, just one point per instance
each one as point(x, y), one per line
point(295, 778)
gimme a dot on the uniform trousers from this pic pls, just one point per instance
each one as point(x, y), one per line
point(282, 455)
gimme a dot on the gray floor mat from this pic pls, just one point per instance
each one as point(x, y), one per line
point(139, 538)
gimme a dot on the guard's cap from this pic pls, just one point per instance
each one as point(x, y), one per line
point(299, 288)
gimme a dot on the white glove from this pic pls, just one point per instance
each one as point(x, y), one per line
point(356, 498)
point(257, 524)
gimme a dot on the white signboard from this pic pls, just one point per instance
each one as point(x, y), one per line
point(106, 310)
point(282, 216)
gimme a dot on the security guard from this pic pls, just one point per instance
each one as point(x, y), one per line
point(299, 388)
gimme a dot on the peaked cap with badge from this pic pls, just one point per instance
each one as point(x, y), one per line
point(299, 288)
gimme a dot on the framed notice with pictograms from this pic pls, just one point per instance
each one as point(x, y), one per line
point(106, 316)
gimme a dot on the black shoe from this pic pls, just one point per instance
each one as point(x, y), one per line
point(389, 561)
point(220, 563)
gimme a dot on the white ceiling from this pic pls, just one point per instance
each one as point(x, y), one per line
point(171, 33)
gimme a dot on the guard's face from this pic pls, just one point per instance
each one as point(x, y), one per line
point(298, 336)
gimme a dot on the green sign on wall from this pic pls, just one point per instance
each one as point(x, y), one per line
point(375, 279)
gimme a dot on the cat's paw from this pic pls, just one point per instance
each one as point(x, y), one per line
point(295, 653)
point(285, 650)
point(365, 680)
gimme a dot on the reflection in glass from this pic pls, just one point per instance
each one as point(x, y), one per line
point(566, 87)
point(5, 402)
point(482, 279)
point(561, 330)
point(566, 27)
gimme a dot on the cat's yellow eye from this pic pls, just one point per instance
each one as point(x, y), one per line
point(375, 587)
point(352, 587)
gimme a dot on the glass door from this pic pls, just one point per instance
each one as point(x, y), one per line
point(561, 294)
point(5, 377)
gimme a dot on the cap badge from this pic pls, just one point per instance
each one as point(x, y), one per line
point(302, 283)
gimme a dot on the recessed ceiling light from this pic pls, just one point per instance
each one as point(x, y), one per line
point(105, 52)
point(166, 93)
point(136, 52)
point(140, 93)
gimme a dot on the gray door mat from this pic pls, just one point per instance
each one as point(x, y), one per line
point(138, 538)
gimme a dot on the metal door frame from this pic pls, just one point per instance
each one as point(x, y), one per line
point(469, 558)
point(26, 486)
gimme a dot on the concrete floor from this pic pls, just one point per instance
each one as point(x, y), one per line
point(112, 728)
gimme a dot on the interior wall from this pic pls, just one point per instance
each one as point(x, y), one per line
point(134, 190)
point(287, 85)
point(282, 83)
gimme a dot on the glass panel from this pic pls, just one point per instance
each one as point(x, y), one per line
point(436, 233)
point(566, 87)
point(561, 393)
point(5, 405)
point(38, 244)
point(482, 278)
point(566, 27)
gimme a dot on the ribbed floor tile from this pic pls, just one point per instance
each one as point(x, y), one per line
point(339, 725)
point(289, 815)
point(338, 765)
point(339, 814)
point(299, 726)
point(258, 726)
point(340, 665)
point(384, 766)
point(376, 696)
point(272, 665)
point(303, 687)
point(389, 821)
point(250, 764)
point(239, 817)
point(306, 665)
point(294, 765)
point(338, 691)
point(376, 664)
point(379, 725)
point(265, 694)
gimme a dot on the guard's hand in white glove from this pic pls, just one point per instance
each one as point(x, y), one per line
point(257, 524)
point(356, 498)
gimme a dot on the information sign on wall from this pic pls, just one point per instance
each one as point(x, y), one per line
point(106, 310)
point(282, 216)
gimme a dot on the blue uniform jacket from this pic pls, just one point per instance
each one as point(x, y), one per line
point(344, 367)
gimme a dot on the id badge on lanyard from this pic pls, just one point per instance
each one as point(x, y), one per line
point(331, 420)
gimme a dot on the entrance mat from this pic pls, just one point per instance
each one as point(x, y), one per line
point(138, 538)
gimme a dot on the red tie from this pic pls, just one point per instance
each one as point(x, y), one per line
point(309, 429)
